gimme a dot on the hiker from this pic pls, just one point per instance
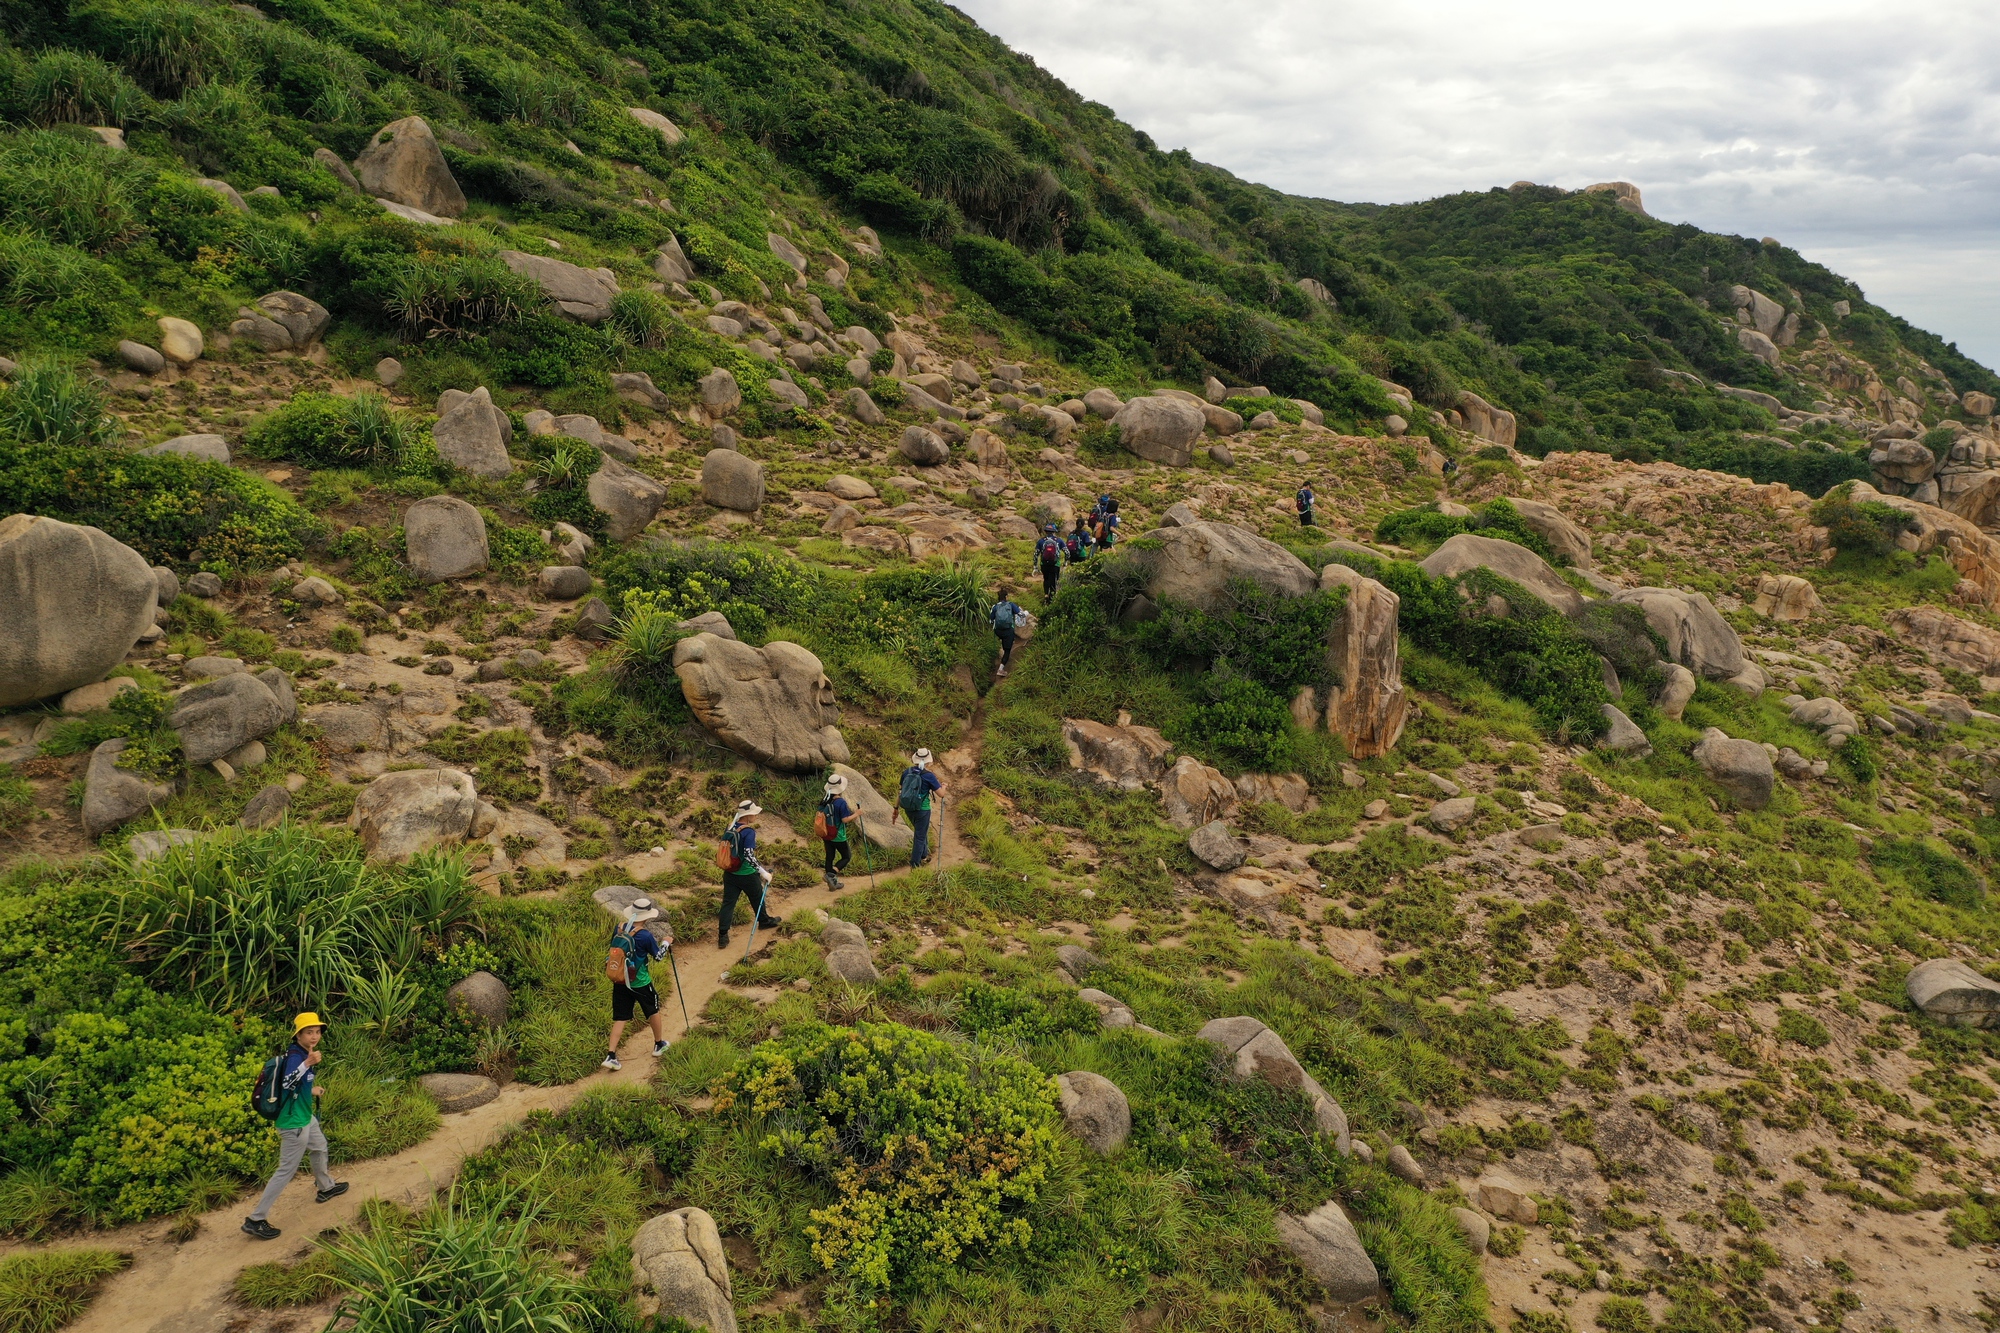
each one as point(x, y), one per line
point(835, 814)
point(741, 875)
point(913, 798)
point(299, 1135)
point(1007, 615)
point(1305, 502)
point(1099, 509)
point(1107, 525)
point(634, 950)
point(1049, 554)
point(1080, 542)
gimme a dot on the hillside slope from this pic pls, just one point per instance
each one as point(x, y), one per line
point(1552, 891)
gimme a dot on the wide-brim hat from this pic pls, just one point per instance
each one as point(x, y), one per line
point(745, 809)
point(307, 1020)
point(922, 759)
point(642, 909)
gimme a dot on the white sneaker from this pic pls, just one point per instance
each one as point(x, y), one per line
point(612, 1062)
point(660, 1048)
point(1001, 672)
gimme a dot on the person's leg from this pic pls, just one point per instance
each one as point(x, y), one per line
point(920, 820)
point(291, 1152)
point(315, 1140)
point(844, 855)
point(761, 892)
point(617, 1035)
point(1050, 574)
point(830, 845)
point(1006, 649)
point(732, 885)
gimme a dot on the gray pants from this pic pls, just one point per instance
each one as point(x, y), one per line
point(294, 1145)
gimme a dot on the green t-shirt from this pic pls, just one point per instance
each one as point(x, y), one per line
point(295, 1099)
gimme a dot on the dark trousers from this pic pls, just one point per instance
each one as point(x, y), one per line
point(1006, 646)
point(1051, 573)
point(920, 820)
point(838, 854)
point(1306, 519)
point(750, 886)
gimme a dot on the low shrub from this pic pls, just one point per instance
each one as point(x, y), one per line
point(1425, 528)
point(40, 1293)
point(1867, 529)
point(325, 430)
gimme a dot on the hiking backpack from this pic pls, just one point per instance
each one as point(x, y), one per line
point(267, 1097)
point(1305, 501)
point(729, 852)
point(1048, 550)
point(913, 793)
point(1006, 615)
point(618, 961)
point(825, 827)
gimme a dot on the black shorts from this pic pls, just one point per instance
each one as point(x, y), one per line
point(623, 997)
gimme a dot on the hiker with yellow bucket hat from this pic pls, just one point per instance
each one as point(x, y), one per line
point(284, 1095)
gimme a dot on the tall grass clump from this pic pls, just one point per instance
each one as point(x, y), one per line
point(40, 1293)
point(49, 403)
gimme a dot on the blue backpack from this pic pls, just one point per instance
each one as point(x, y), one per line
point(267, 1098)
point(1005, 615)
point(914, 793)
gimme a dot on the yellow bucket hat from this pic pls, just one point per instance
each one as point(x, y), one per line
point(307, 1020)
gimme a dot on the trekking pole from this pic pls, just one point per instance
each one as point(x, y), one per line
point(679, 990)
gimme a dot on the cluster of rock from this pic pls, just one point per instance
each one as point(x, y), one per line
point(846, 952)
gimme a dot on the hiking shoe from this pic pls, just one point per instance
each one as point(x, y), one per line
point(262, 1230)
point(333, 1191)
point(613, 1063)
point(772, 924)
point(1001, 672)
point(660, 1048)
point(722, 941)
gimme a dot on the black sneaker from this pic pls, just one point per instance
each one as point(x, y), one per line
point(771, 924)
point(338, 1188)
point(660, 1049)
point(722, 942)
point(260, 1229)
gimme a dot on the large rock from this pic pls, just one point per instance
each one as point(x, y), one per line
point(773, 705)
point(1196, 563)
point(627, 497)
point(1506, 1198)
point(1161, 429)
point(401, 814)
point(1904, 461)
point(404, 165)
point(1696, 635)
point(1741, 768)
point(181, 341)
point(1566, 539)
point(1254, 1051)
point(719, 393)
point(223, 715)
point(1215, 846)
point(1367, 707)
point(350, 728)
point(300, 319)
point(670, 263)
point(562, 583)
point(267, 808)
point(1760, 346)
point(446, 538)
point(336, 164)
point(213, 448)
point(482, 995)
point(1095, 1111)
point(112, 795)
point(1101, 402)
point(1786, 597)
point(730, 480)
point(73, 601)
point(1951, 992)
point(1476, 1229)
point(1485, 420)
point(669, 133)
point(454, 1093)
point(1958, 642)
point(471, 434)
point(1621, 734)
point(923, 447)
point(680, 1256)
point(1129, 757)
point(1328, 1248)
point(1469, 551)
point(584, 294)
point(876, 812)
point(853, 964)
point(1193, 794)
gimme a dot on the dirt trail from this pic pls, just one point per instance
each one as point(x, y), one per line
point(184, 1288)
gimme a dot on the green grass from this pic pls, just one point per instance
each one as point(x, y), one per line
point(40, 1293)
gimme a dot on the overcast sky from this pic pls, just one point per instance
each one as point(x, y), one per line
point(1866, 136)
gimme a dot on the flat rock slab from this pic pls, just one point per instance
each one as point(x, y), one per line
point(459, 1092)
point(1951, 992)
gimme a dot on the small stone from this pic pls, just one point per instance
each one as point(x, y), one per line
point(213, 448)
point(1374, 809)
point(267, 807)
point(1078, 961)
point(1542, 837)
point(458, 1092)
point(1506, 1199)
point(91, 698)
point(482, 995)
point(1449, 816)
point(1405, 1167)
point(205, 584)
point(594, 621)
point(1215, 847)
point(315, 591)
point(155, 843)
point(562, 583)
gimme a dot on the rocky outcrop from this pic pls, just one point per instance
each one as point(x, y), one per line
point(584, 294)
point(1623, 193)
point(1095, 1111)
point(1741, 768)
point(627, 497)
point(1786, 597)
point(1467, 551)
point(223, 715)
point(772, 705)
point(1955, 641)
point(1485, 420)
point(401, 814)
point(1252, 1050)
point(112, 795)
point(1367, 707)
point(1196, 563)
point(282, 321)
point(1696, 635)
point(404, 165)
point(679, 1255)
point(1951, 992)
point(471, 433)
point(73, 601)
point(1328, 1248)
point(1163, 430)
point(1972, 553)
point(1128, 757)
point(482, 995)
point(876, 812)
point(846, 952)
point(1570, 543)
point(446, 539)
point(1192, 794)
point(730, 480)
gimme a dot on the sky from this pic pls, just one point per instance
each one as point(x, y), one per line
point(1865, 136)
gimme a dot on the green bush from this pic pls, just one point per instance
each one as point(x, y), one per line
point(1928, 868)
point(1425, 529)
point(935, 1149)
point(1867, 530)
point(50, 404)
point(325, 430)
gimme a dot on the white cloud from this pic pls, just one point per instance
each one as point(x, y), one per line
point(1866, 137)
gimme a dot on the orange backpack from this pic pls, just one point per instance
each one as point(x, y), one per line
point(727, 855)
point(617, 963)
